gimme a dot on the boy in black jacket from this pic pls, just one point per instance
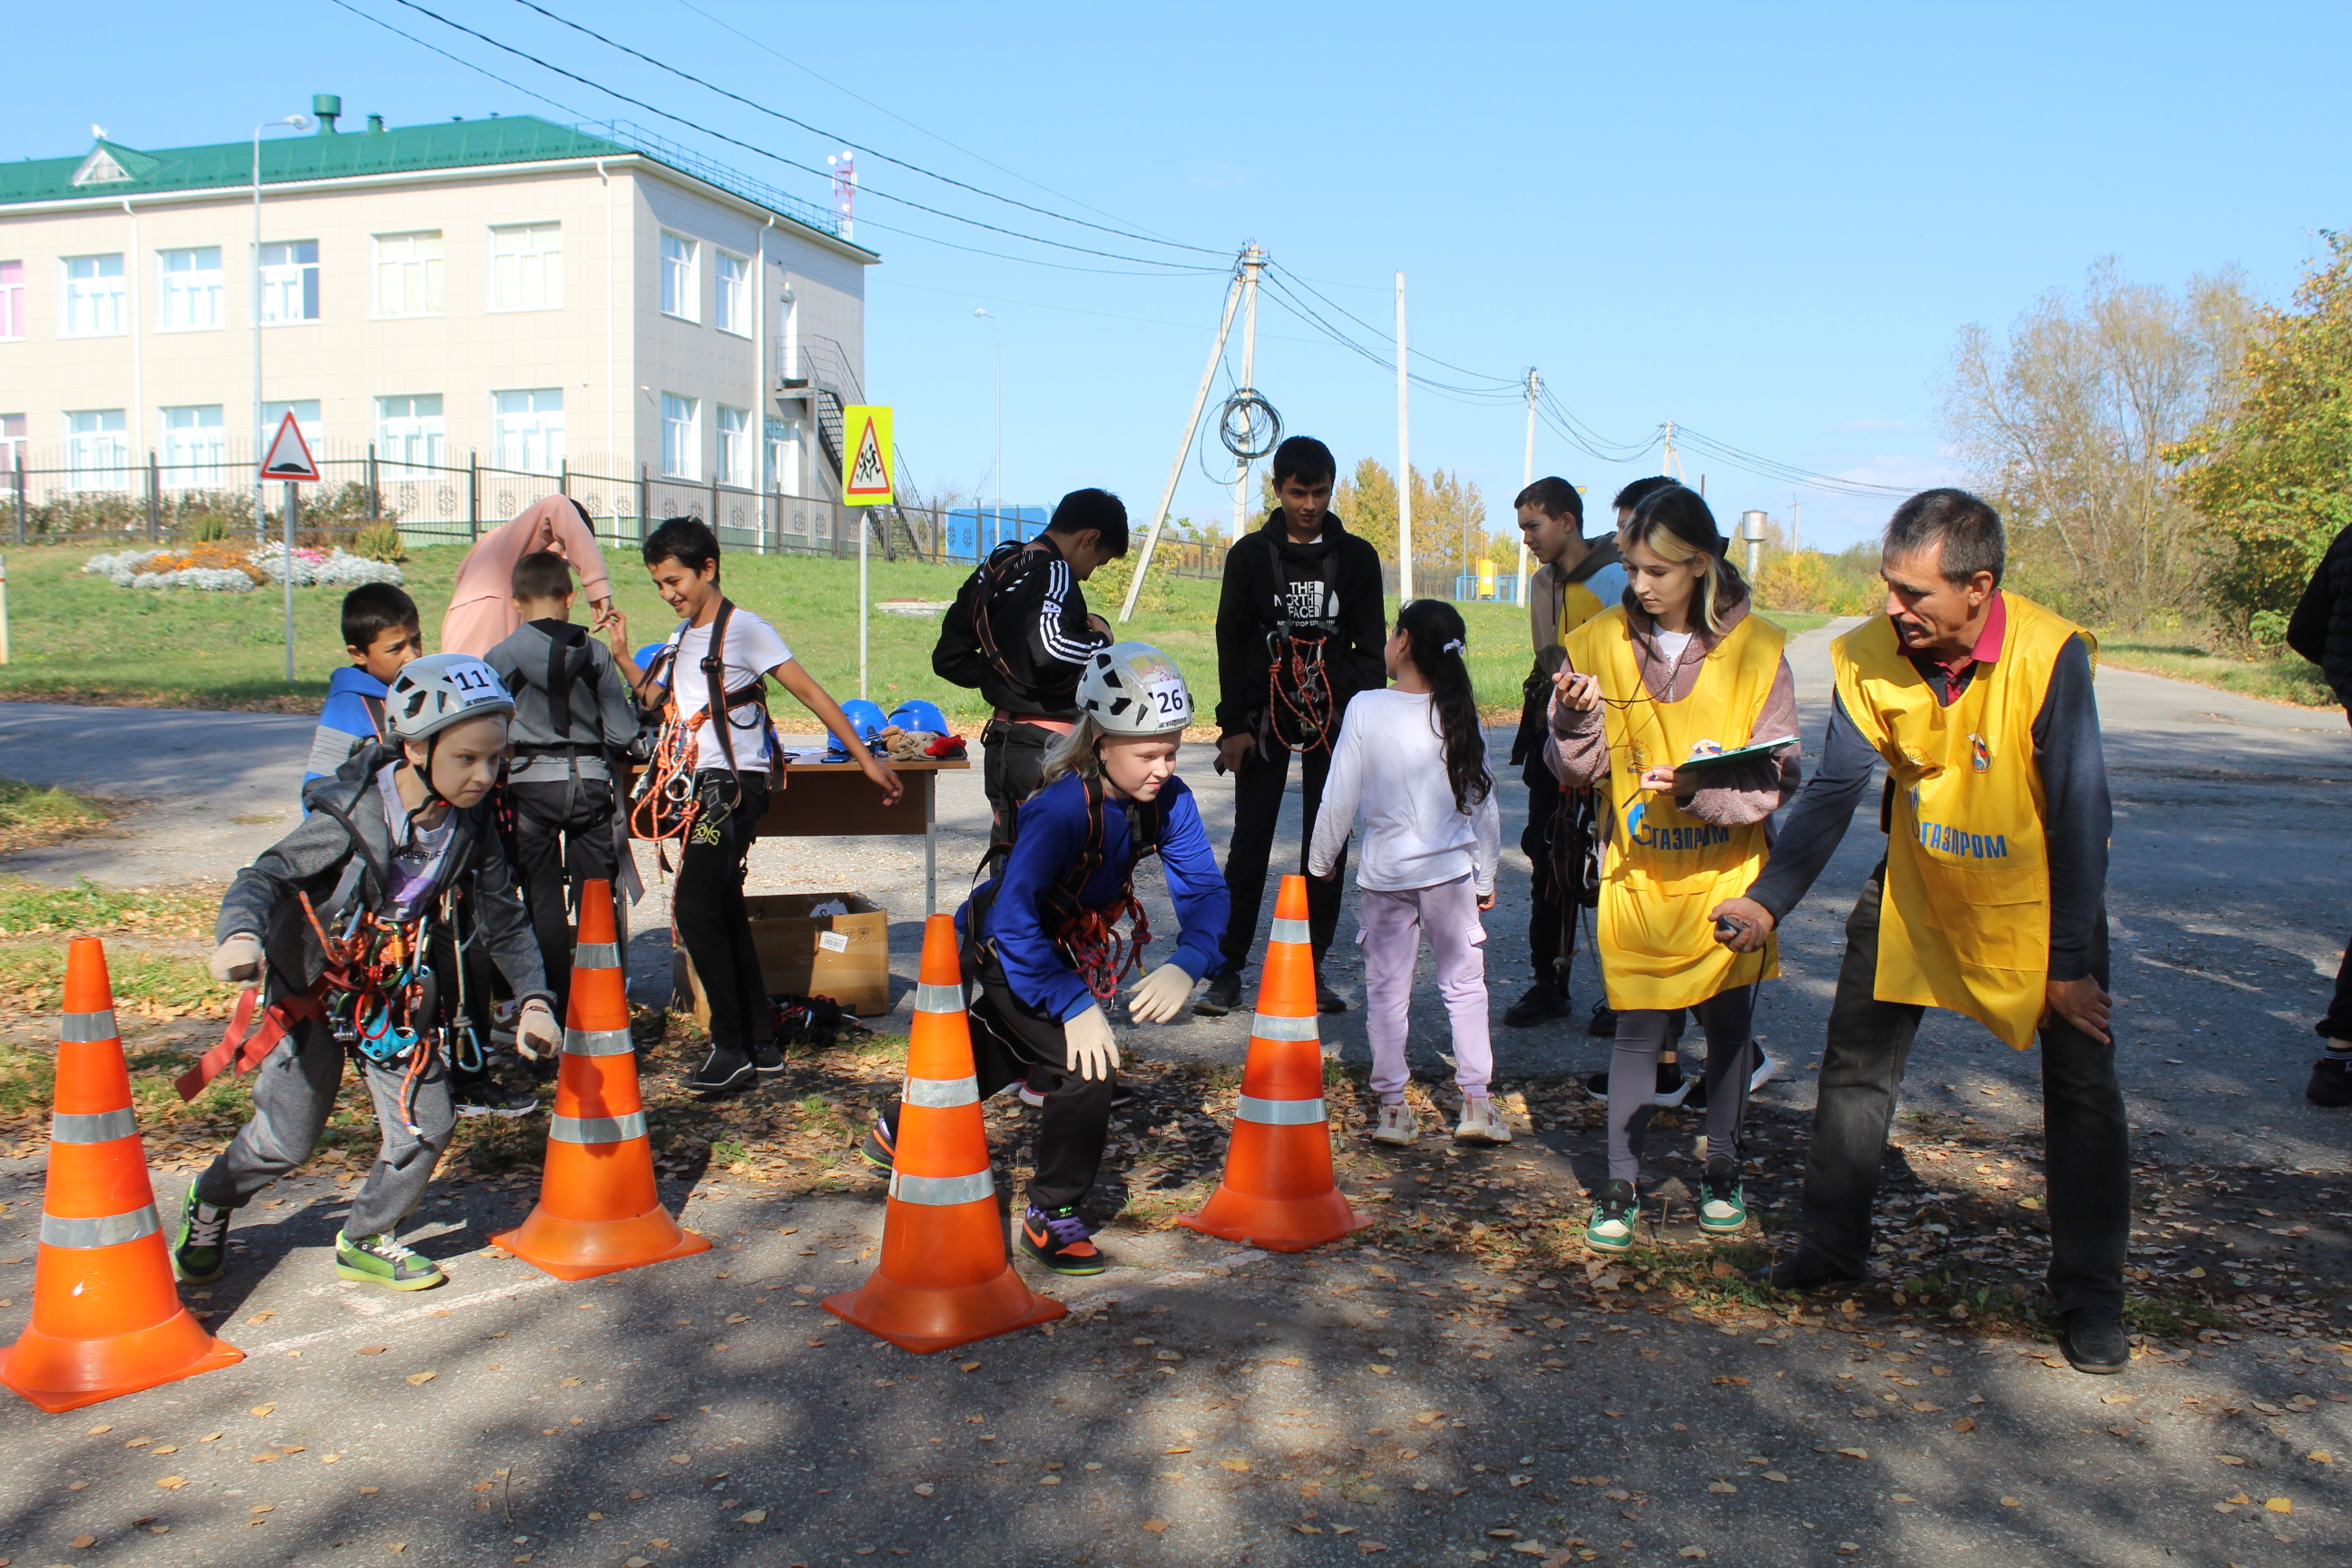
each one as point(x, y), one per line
point(573, 715)
point(1300, 626)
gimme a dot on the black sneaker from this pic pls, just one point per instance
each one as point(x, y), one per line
point(1603, 1023)
point(1058, 1239)
point(200, 1250)
point(880, 1147)
point(1766, 1070)
point(1541, 1004)
point(1328, 1000)
point(767, 1058)
point(479, 1094)
point(2092, 1338)
point(1803, 1270)
point(2331, 1081)
point(723, 1071)
point(1223, 996)
point(1673, 1088)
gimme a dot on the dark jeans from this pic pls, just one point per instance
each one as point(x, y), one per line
point(1012, 761)
point(558, 853)
point(1008, 1039)
point(711, 920)
point(1257, 810)
point(1551, 915)
point(2083, 1126)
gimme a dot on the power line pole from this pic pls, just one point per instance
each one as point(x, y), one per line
point(1528, 476)
point(1404, 459)
point(1796, 521)
point(1253, 263)
point(1674, 466)
point(1176, 469)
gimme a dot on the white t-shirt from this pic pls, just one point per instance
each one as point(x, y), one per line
point(752, 648)
point(1671, 645)
point(1389, 770)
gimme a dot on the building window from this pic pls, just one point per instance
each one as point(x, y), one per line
point(188, 290)
point(93, 298)
point(98, 457)
point(732, 273)
point(735, 447)
point(681, 437)
point(679, 293)
point(14, 449)
point(527, 430)
point(784, 455)
point(408, 274)
point(12, 299)
point(526, 268)
point(306, 419)
point(408, 430)
point(194, 449)
point(290, 281)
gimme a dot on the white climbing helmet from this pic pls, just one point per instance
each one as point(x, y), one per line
point(1133, 689)
point(432, 693)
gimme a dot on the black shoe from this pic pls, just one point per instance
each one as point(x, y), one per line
point(2092, 1338)
point(1058, 1239)
point(723, 1071)
point(2331, 1081)
point(1803, 1270)
point(767, 1058)
point(1328, 1000)
point(479, 1094)
point(1223, 996)
point(1541, 1004)
point(1673, 1088)
point(1603, 1025)
point(880, 1147)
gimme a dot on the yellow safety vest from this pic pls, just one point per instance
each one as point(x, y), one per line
point(1965, 922)
point(1665, 870)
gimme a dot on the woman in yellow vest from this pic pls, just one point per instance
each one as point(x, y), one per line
point(1680, 670)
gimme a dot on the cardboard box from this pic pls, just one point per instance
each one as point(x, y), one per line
point(846, 957)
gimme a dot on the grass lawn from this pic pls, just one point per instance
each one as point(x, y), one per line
point(2280, 677)
point(34, 815)
point(78, 638)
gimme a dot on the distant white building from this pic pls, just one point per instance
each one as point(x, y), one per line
point(506, 293)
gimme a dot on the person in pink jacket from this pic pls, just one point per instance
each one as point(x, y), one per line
point(481, 612)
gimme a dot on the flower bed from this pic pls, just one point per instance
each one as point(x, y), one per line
point(226, 569)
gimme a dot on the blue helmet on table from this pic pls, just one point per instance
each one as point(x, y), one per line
point(917, 714)
point(865, 719)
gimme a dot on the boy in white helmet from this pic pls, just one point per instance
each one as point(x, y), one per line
point(344, 926)
point(1043, 937)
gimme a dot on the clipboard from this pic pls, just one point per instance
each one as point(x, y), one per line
point(1753, 752)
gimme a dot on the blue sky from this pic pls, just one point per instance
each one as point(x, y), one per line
point(1766, 223)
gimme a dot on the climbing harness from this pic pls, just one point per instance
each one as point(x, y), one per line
point(667, 804)
point(1300, 710)
point(1008, 564)
point(1089, 935)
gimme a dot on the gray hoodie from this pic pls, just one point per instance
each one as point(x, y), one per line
point(319, 860)
point(600, 715)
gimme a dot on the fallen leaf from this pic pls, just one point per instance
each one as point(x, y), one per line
point(924, 1489)
point(2317, 1456)
point(1721, 1486)
point(2279, 1505)
point(1237, 1466)
point(166, 1448)
point(98, 1431)
point(1154, 1526)
point(263, 1316)
point(1175, 1450)
point(2010, 1502)
point(372, 1349)
point(265, 1409)
point(969, 1366)
point(758, 1515)
point(681, 1458)
point(1855, 1452)
point(1692, 1552)
point(419, 1379)
point(172, 1483)
point(1965, 1424)
point(85, 1542)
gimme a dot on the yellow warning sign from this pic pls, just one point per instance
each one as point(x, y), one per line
point(865, 429)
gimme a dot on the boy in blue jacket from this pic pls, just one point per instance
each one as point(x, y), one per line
point(1042, 939)
point(381, 635)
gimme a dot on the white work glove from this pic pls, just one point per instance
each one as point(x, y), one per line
point(238, 961)
point(537, 1035)
point(1160, 996)
point(1088, 1045)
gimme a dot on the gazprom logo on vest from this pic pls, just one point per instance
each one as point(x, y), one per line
point(1698, 835)
point(1945, 840)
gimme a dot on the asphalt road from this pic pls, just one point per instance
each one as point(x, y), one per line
point(1207, 1404)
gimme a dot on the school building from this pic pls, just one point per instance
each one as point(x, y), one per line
point(507, 297)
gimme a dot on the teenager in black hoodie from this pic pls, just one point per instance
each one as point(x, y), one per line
point(1303, 571)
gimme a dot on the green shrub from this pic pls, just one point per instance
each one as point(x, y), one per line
point(380, 542)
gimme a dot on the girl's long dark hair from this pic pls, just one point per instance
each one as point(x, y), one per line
point(1435, 637)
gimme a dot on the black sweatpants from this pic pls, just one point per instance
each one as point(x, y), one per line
point(1008, 1039)
point(1012, 761)
point(1257, 811)
point(708, 911)
point(558, 853)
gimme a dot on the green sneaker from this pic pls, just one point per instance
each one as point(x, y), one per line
point(1722, 1208)
point(1611, 1229)
point(200, 1246)
point(379, 1259)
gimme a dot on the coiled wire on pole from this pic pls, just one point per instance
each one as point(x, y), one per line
point(1249, 406)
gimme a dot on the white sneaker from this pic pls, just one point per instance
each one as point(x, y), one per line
point(1481, 1123)
point(1766, 1070)
point(1398, 1125)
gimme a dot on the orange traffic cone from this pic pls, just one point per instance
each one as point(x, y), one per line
point(106, 1317)
point(598, 1212)
point(944, 1280)
point(1278, 1192)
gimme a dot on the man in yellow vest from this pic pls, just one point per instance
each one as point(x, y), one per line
point(1575, 579)
point(1989, 900)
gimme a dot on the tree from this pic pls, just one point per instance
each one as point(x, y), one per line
point(1449, 520)
point(2267, 471)
point(2066, 427)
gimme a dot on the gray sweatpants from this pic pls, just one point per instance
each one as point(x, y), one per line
point(293, 1094)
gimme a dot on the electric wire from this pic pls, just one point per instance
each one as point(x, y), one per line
point(1787, 473)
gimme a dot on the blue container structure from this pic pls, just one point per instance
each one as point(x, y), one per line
point(974, 532)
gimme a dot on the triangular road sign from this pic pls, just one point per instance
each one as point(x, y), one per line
point(289, 457)
point(868, 480)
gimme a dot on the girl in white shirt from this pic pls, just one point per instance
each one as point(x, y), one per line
point(1410, 762)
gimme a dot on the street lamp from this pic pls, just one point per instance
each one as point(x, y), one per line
point(261, 499)
point(983, 312)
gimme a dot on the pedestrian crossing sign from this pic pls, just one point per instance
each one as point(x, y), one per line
point(866, 427)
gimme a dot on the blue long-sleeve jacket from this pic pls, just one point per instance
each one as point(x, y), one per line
point(1052, 827)
point(344, 723)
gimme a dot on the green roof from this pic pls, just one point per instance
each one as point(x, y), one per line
point(112, 170)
